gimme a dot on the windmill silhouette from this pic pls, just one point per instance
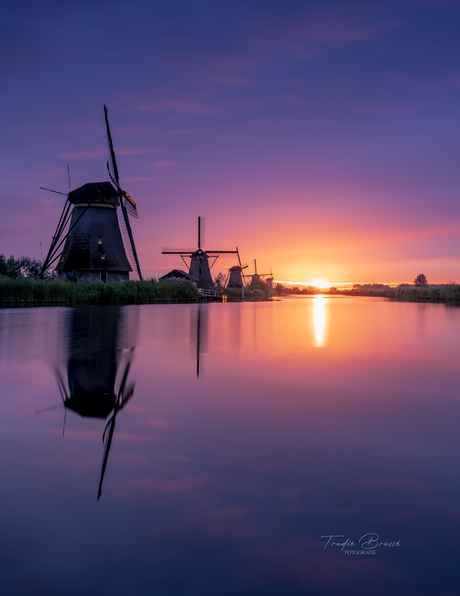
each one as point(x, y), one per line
point(256, 276)
point(236, 277)
point(96, 231)
point(199, 260)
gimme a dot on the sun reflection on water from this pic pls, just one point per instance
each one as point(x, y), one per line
point(319, 318)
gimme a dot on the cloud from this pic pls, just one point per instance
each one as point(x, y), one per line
point(310, 32)
point(182, 131)
point(183, 106)
point(160, 165)
point(410, 108)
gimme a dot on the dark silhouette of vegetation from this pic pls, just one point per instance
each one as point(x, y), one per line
point(19, 268)
point(219, 280)
point(36, 292)
point(420, 280)
point(280, 289)
point(258, 290)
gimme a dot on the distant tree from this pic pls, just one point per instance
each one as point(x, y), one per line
point(23, 267)
point(420, 280)
point(279, 288)
point(219, 280)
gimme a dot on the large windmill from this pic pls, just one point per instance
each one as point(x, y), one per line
point(199, 260)
point(96, 231)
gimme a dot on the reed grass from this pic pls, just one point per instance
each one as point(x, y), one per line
point(256, 292)
point(31, 292)
point(429, 293)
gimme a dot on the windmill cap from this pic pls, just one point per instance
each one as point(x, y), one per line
point(95, 192)
point(199, 253)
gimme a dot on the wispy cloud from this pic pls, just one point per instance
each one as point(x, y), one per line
point(160, 165)
point(183, 106)
point(409, 108)
point(182, 131)
point(312, 32)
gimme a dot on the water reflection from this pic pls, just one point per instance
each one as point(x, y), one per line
point(199, 333)
point(319, 318)
point(226, 485)
point(97, 370)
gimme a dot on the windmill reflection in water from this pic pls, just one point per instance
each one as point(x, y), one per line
point(97, 370)
point(199, 333)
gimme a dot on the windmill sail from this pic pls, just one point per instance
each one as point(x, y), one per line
point(122, 195)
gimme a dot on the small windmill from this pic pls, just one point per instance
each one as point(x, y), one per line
point(256, 276)
point(199, 260)
point(96, 227)
point(236, 275)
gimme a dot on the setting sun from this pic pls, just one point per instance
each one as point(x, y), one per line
point(320, 283)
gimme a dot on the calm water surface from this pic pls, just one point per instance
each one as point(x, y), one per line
point(215, 449)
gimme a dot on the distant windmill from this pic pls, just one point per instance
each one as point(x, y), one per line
point(236, 275)
point(199, 260)
point(93, 243)
point(256, 276)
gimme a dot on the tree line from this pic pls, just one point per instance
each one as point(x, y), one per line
point(24, 267)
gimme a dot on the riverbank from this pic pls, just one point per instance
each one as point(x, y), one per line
point(36, 292)
point(445, 293)
point(33, 292)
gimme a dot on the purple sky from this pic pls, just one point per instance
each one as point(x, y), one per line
point(322, 138)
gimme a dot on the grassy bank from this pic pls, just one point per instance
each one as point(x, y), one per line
point(30, 292)
point(256, 292)
point(446, 293)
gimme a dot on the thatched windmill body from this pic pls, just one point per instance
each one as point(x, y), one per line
point(236, 275)
point(95, 230)
point(199, 267)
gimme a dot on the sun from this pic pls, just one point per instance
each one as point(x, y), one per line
point(320, 283)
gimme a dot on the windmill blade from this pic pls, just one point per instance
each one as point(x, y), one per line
point(66, 194)
point(132, 211)
point(201, 232)
point(127, 395)
point(107, 445)
point(171, 250)
point(129, 240)
point(124, 379)
point(63, 220)
point(130, 199)
point(238, 253)
point(245, 266)
point(113, 170)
